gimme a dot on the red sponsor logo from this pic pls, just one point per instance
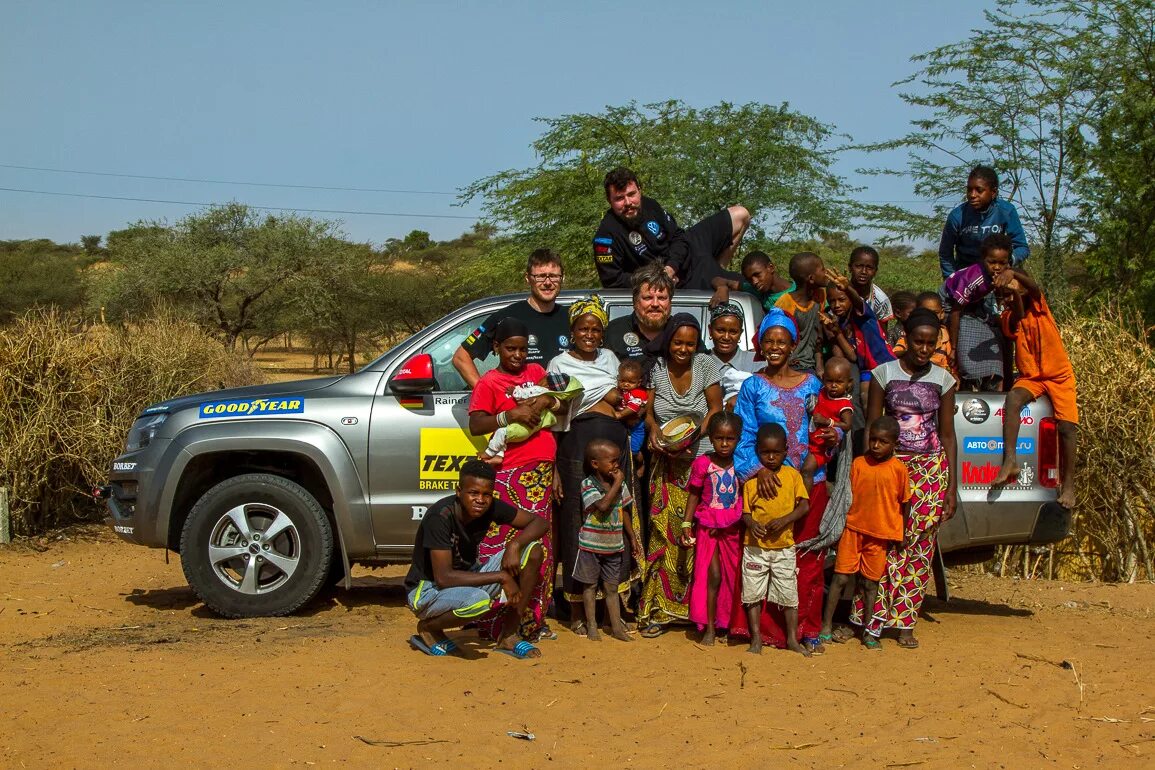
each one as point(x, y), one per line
point(979, 475)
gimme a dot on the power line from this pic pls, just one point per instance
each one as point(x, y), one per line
point(263, 208)
point(223, 181)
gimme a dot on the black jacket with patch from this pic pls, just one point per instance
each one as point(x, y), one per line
point(620, 249)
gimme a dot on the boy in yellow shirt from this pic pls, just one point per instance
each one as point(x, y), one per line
point(769, 565)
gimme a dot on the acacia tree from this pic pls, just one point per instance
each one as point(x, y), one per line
point(773, 160)
point(227, 266)
point(1013, 94)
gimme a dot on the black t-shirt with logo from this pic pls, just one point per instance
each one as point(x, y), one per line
point(441, 530)
point(548, 332)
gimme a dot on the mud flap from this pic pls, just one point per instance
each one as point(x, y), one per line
point(941, 589)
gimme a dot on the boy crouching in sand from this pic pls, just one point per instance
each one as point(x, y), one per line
point(769, 564)
point(447, 587)
point(605, 497)
point(880, 485)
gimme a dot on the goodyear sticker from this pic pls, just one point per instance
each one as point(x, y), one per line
point(250, 406)
point(443, 451)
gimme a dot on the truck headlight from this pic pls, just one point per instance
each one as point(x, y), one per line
point(143, 431)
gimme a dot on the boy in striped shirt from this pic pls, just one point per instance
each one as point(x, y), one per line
point(601, 545)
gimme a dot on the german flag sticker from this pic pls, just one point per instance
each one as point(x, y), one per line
point(412, 402)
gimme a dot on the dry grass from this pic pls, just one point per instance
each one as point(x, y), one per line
point(70, 390)
point(1114, 526)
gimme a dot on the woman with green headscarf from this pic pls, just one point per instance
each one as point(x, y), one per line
point(591, 417)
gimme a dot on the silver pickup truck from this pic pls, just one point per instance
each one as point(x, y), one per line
point(269, 492)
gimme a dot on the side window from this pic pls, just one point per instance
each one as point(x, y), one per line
point(442, 348)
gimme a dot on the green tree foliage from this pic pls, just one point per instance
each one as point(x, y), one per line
point(1014, 95)
point(773, 160)
point(40, 273)
point(227, 266)
point(1116, 166)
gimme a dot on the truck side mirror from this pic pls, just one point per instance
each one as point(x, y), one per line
point(415, 376)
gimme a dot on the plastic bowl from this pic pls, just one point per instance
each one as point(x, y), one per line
point(678, 433)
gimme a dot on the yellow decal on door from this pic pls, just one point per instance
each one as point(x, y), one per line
point(443, 452)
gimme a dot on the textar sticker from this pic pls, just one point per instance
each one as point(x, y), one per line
point(442, 453)
point(251, 406)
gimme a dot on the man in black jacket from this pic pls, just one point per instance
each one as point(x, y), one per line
point(637, 231)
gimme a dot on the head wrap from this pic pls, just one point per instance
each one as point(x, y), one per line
point(509, 327)
point(725, 309)
point(778, 317)
point(921, 316)
point(591, 305)
point(660, 345)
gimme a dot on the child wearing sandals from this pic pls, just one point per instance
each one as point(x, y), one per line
point(769, 563)
point(880, 485)
point(601, 546)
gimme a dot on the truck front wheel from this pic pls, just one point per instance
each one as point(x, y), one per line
point(256, 545)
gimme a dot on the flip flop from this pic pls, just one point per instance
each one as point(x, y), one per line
point(870, 642)
point(653, 631)
point(907, 642)
point(814, 645)
point(521, 650)
point(437, 649)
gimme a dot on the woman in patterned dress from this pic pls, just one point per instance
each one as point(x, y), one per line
point(525, 479)
point(684, 381)
point(920, 395)
point(782, 395)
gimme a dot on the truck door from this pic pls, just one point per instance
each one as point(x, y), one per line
point(418, 441)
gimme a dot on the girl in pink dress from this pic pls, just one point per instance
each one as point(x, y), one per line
point(714, 508)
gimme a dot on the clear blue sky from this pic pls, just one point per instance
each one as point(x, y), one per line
point(401, 96)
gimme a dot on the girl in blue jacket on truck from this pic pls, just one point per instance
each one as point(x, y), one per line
point(983, 214)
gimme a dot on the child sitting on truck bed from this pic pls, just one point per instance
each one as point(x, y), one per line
point(1042, 363)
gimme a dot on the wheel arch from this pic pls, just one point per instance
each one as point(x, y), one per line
point(312, 456)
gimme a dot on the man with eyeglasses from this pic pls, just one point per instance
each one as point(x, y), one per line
point(548, 322)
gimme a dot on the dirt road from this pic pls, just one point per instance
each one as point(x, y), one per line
point(110, 660)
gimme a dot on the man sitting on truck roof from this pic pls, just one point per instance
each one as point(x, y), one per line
point(547, 321)
point(637, 231)
point(447, 587)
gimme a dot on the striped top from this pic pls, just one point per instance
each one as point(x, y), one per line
point(602, 533)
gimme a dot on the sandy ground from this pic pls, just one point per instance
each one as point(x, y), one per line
point(110, 659)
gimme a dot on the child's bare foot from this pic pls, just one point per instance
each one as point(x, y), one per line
point(592, 632)
point(1007, 473)
point(1067, 497)
point(621, 634)
point(578, 627)
point(755, 647)
point(799, 648)
point(708, 638)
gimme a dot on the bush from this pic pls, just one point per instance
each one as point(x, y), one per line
point(1114, 525)
point(70, 390)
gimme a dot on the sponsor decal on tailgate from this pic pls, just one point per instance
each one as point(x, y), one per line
point(983, 445)
point(443, 452)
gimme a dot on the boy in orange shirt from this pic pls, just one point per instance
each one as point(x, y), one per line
point(880, 485)
point(1042, 363)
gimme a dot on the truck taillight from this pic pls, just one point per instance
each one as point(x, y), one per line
point(1049, 470)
